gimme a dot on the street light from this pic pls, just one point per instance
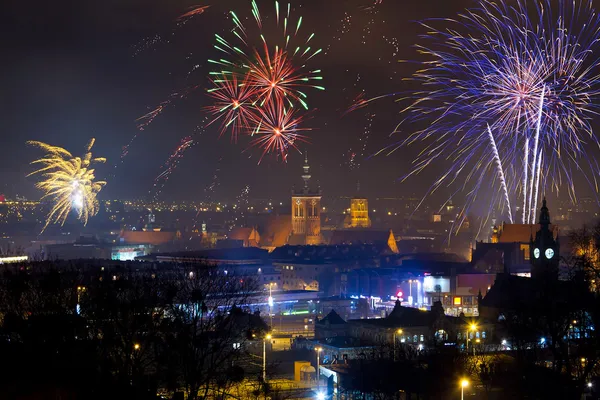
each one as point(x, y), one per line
point(399, 332)
point(318, 350)
point(472, 327)
point(136, 346)
point(463, 384)
point(264, 369)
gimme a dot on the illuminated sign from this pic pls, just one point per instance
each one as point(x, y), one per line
point(457, 301)
point(435, 284)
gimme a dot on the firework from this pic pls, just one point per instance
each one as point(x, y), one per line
point(277, 130)
point(69, 182)
point(234, 105)
point(527, 70)
point(269, 74)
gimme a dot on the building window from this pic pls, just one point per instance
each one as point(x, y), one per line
point(525, 250)
point(415, 339)
point(483, 335)
point(457, 301)
point(422, 338)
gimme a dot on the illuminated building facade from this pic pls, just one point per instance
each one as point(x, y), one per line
point(359, 213)
point(306, 212)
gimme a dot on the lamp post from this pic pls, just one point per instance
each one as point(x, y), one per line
point(463, 384)
point(399, 332)
point(264, 368)
point(270, 302)
point(318, 350)
point(472, 327)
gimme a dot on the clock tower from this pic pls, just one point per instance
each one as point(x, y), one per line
point(545, 249)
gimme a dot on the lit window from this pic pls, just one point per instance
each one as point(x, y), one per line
point(525, 249)
point(422, 338)
point(415, 338)
point(483, 335)
point(457, 301)
point(477, 335)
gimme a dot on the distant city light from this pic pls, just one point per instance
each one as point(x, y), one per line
point(7, 260)
point(320, 396)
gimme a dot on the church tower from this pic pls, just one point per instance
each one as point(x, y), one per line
point(545, 249)
point(359, 211)
point(306, 211)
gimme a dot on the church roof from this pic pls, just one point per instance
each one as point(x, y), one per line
point(333, 318)
point(276, 231)
point(326, 254)
point(511, 292)
point(150, 237)
point(521, 233)
point(407, 317)
point(364, 236)
point(249, 235)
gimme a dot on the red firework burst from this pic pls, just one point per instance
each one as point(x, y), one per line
point(275, 78)
point(276, 129)
point(234, 105)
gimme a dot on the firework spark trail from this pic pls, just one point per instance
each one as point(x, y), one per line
point(69, 182)
point(537, 186)
point(171, 164)
point(525, 172)
point(536, 139)
point(500, 173)
point(194, 11)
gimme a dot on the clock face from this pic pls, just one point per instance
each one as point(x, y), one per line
point(549, 253)
point(536, 253)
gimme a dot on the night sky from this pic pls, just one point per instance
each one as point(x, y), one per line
point(73, 70)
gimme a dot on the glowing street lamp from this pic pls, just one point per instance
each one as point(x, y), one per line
point(472, 327)
point(318, 350)
point(399, 332)
point(264, 369)
point(136, 346)
point(463, 384)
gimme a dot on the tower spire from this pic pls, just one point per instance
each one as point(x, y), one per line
point(544, 215)
point(306, 171)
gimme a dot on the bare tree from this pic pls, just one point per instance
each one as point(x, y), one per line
point(208, 330)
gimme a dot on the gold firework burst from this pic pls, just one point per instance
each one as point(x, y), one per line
point(69, 182)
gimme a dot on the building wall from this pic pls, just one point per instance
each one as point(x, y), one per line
point(300, 277)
